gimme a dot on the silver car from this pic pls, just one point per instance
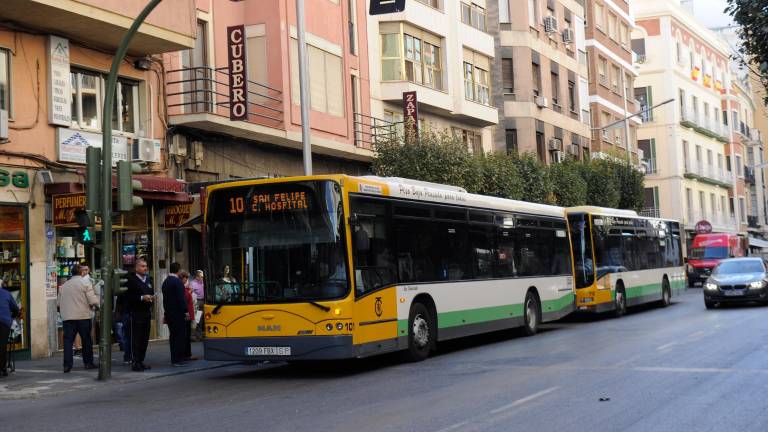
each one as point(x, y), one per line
point(737, 280)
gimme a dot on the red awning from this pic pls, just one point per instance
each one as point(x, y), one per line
point(153, 189)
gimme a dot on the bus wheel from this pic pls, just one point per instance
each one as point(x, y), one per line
point(621, 302)
point(531, 314)
point(666, 294)
point(421, 332)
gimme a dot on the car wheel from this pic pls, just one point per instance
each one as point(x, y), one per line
point(421, 333)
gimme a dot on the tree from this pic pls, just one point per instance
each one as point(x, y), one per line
point(568, 186)
point(602, 184)
point(499, 176)
point(752, 17)
point(434, 157)
point(534, 175)
point(631, 187)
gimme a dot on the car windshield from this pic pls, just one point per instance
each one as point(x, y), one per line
point(738, 267)
point(273, 243)
point(709, 252)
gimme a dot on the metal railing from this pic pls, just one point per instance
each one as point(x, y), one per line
point(369, 130)
point(653, 212)
point(206, 90)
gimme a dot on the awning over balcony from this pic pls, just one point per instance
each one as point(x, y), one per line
point(758, 243)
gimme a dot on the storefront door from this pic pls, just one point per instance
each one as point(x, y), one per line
point(14, 267)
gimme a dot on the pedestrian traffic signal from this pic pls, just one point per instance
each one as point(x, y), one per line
point(119, 281)
point(380, 7)
point(86, 222)
point(93, 179)
point(126, 185)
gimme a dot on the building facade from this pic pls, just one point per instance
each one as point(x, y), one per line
point(52, 80)
point(442, 50)
point(695, 166)
point(541, 82)
point(612, 93)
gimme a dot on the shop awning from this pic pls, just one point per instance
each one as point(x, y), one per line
point(153, 189)
point(758, 243)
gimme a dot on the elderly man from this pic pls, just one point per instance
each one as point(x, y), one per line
point(139, 301)
point(77, 301)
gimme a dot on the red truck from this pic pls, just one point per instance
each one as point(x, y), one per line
point(708, 250)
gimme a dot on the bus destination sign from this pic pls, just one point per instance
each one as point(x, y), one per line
point(269, 202)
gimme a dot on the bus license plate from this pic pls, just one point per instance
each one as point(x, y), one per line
point(734, 293)
point(272, 351)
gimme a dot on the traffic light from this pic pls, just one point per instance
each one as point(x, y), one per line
point(380, 7)
point(86, 222)
point(119, 281)
point(126, 201)
point(93, 179)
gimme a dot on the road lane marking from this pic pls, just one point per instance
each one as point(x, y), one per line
point(697, 334)
point(665, 346)
point(524, 400)
point(454, 427)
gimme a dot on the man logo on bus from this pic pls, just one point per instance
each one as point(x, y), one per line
point(378, 307)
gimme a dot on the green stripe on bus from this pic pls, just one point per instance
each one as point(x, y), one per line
point(557, 304)
point(644, 290)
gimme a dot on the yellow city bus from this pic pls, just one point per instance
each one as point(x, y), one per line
point(328, 267)
point(636, 259)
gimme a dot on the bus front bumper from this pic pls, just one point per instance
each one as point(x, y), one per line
point(289, 348)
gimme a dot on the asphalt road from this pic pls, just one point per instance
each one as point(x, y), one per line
point(680, 368)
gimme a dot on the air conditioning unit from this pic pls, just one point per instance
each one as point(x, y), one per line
point(147, 150)
point(3, 125)
point(558, 157)
point(541, 101)
point(555, 144)
point(573, 149)
point(568, 35)
point(550, 24)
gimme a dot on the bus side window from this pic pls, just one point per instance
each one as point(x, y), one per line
point(371, 243)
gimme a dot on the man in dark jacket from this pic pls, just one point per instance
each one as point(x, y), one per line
point(176, 313)
point(138, 300)
point(8, 310)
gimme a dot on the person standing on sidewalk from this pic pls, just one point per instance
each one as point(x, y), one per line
point(189, 298)
point(8, 310)
point(176, 313)
point(76, 302)
point(139, 298)
point(197, 284)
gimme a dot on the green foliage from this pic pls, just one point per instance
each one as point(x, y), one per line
point(442, 158)
point(568, 184)
point(752, 17)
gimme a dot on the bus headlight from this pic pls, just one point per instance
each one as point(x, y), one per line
point(757, 285)
point(710, 286)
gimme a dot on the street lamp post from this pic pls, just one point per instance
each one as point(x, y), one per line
point(303, 88)
point(105, 339)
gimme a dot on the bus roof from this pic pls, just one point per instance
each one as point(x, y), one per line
point(602, 211)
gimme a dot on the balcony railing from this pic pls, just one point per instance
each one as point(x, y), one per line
point(704, 126)
point(653, 212)
point(708, 173)
point(370, 130)
point(206, 90)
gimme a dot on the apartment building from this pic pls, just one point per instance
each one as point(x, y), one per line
point(208, 145)
point(612, 92)
point(444, 51)
point(54, 59)
point(695, 169)
point(540, 81)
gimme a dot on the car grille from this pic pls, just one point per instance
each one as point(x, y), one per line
point(703, 271)
point(732, 287)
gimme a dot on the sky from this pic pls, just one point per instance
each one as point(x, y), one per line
point(710, 12)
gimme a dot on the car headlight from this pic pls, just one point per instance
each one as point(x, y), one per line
point(757, 285)
point(710, 286)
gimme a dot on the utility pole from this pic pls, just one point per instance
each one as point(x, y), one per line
point(303, 88)
point(105, 339)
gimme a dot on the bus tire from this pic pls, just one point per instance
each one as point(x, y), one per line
point(531, 314)
point(421, 333)
point(666, 293)
point(621, 301)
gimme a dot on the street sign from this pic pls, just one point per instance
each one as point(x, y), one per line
point(411, 113)
point(703, 227)
point(238, 79)
point(380, 7)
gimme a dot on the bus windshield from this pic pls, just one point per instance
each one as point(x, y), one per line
point(581, 240)
point(720, 252)
point(276, 243)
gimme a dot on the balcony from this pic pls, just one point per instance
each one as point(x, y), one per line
point(370, 130)
point(708, 174)
point(170, 27)
point(749, 175)
point(705, 126)
point(653, 212)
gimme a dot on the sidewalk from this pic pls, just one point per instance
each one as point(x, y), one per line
point(44, 377)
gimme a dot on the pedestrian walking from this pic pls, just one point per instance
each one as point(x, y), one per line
point(139, 298)
point(77, 301)
point(123, 327)
point(189, 298)
point(197, 284)
point(8, 311)
point(176, 313)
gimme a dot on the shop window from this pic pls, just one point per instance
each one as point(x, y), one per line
point(13, 266)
